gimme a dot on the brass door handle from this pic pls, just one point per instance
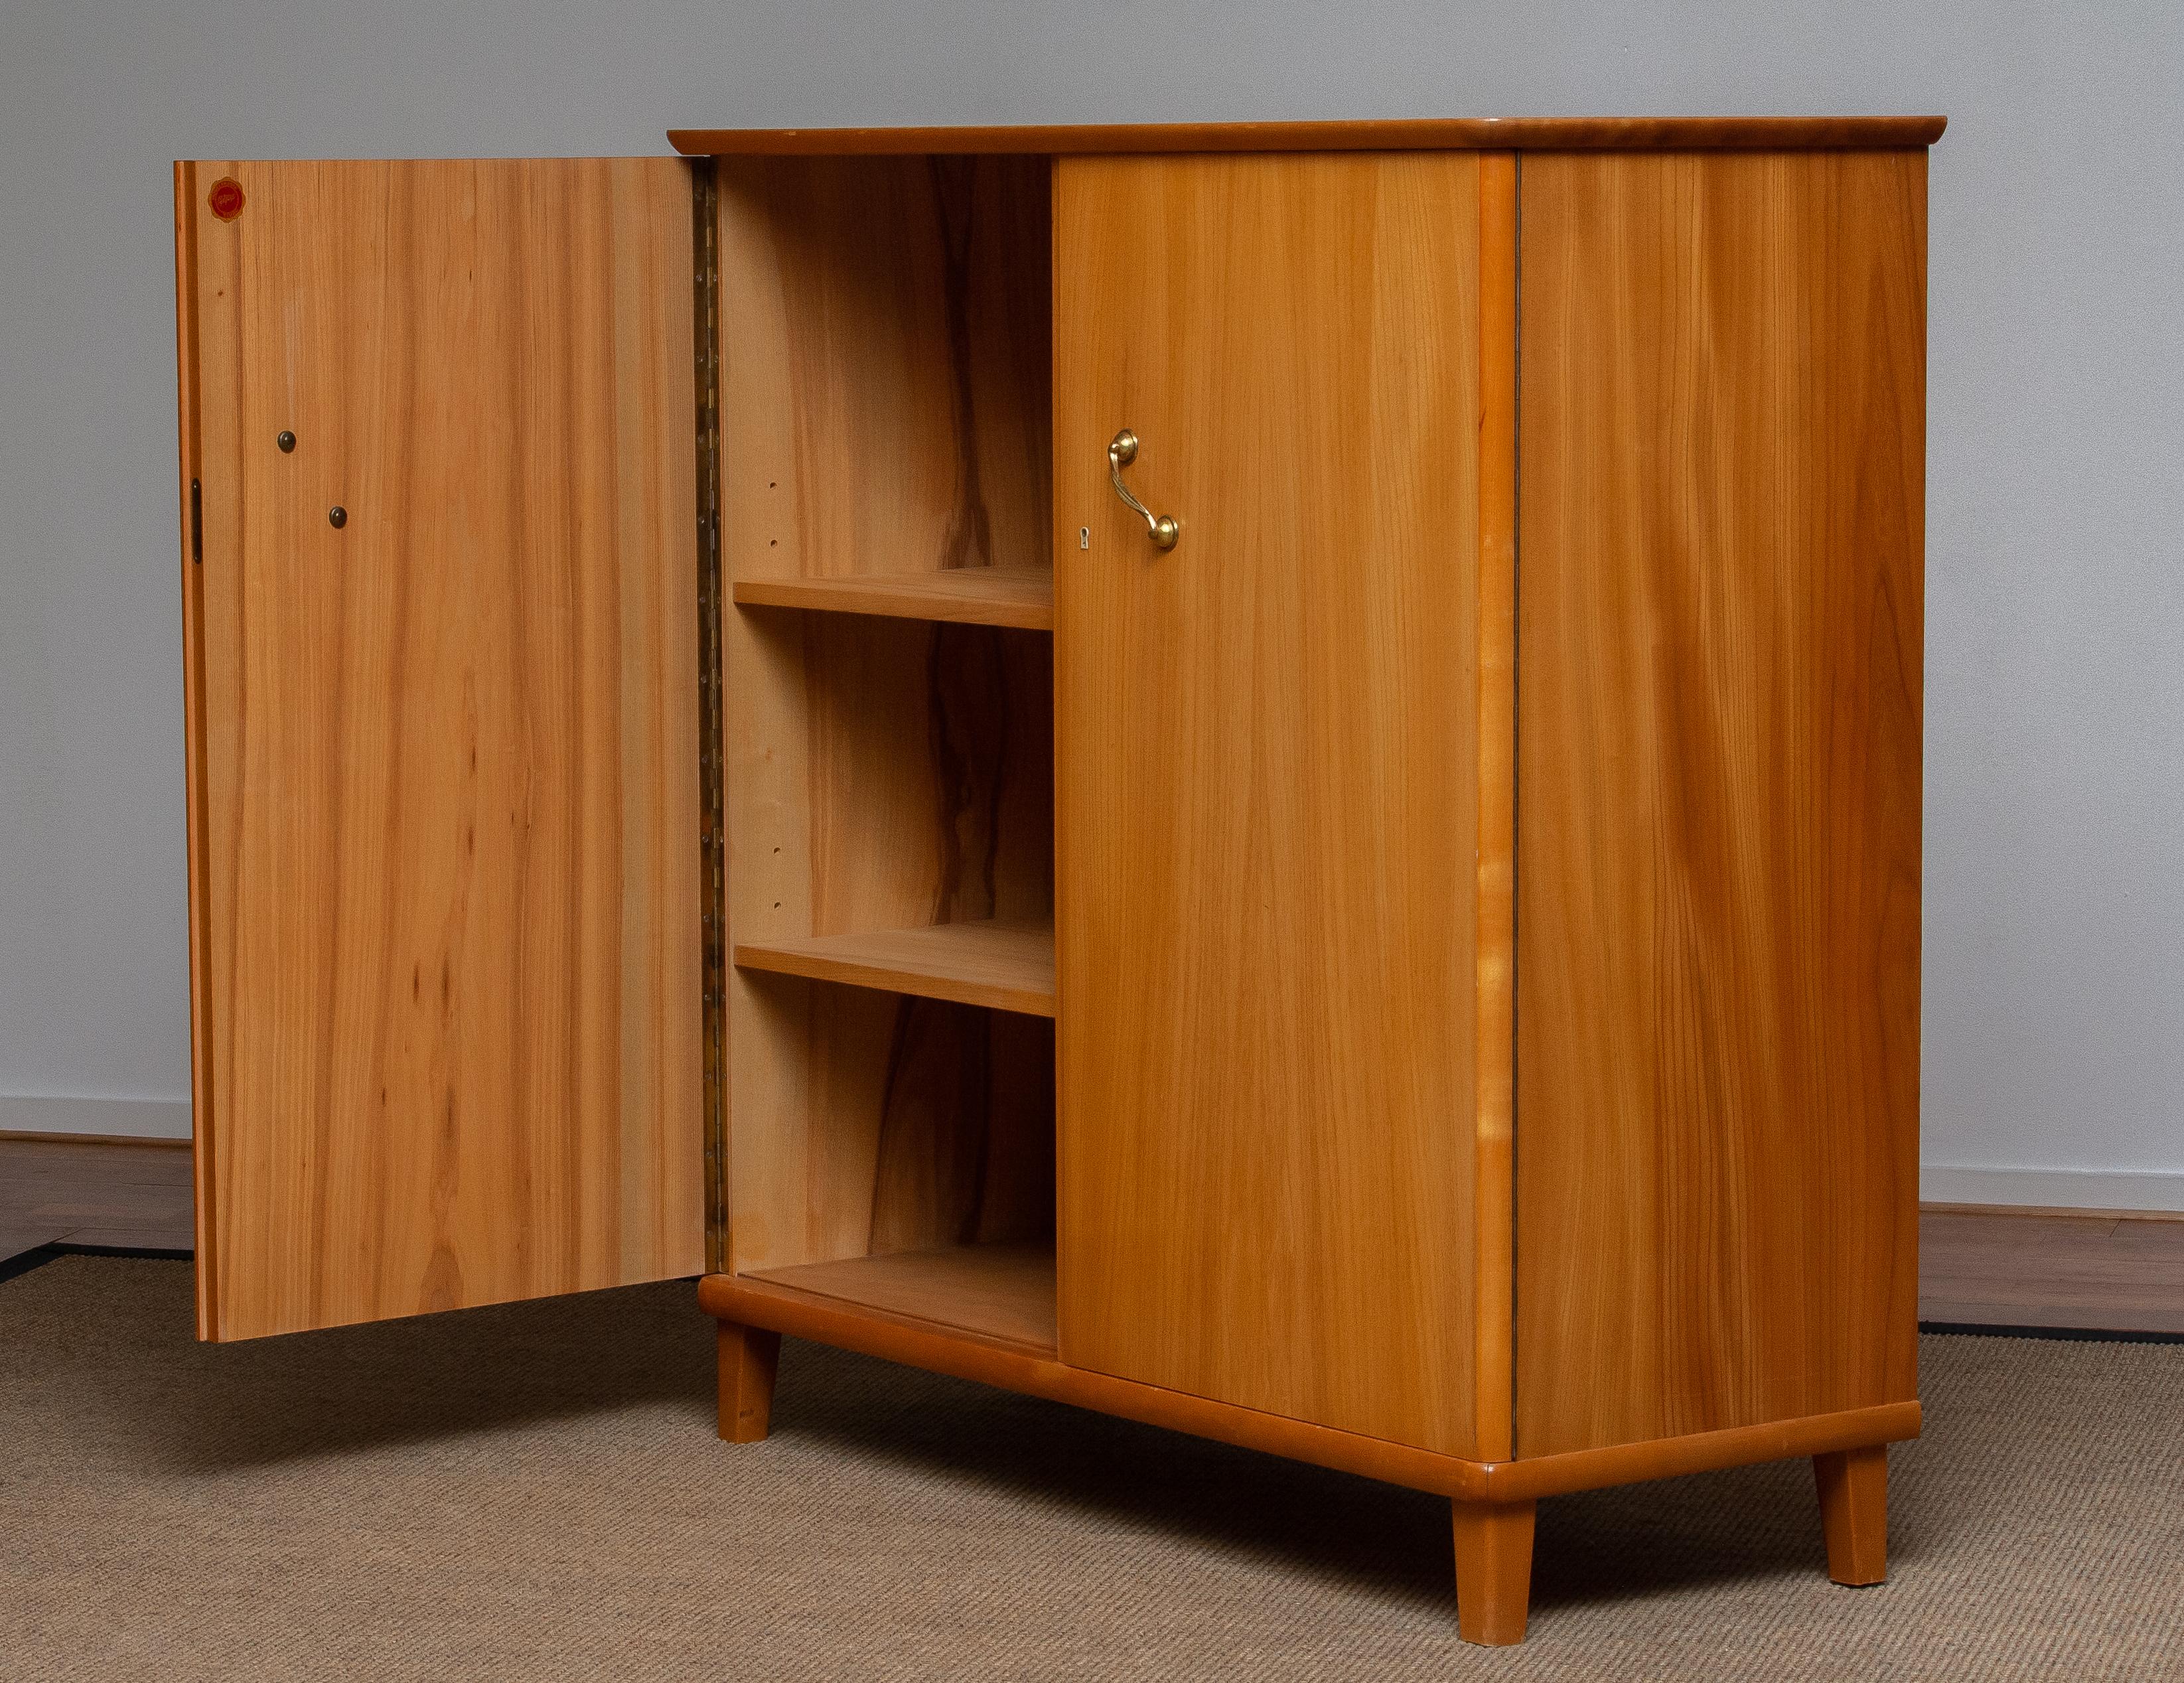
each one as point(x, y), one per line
point(1121, 453)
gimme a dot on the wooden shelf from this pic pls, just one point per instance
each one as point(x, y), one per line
point(1007, 966)
point(1022, 597)
point(1001, 1292)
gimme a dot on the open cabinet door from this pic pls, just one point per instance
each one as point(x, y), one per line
point(441, 601)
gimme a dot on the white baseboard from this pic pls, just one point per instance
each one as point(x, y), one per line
point(107, 1118)
point(2058, 1188)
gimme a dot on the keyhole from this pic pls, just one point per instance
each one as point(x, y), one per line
point(1084, 536)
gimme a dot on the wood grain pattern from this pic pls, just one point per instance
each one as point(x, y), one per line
point(448, 907)
point(1022, 597)
point(1853, 1490)
point(1493, 919)
point(1722, 429)
point(971, 1355)
point(1267, 782)
point(885, 405)
point(1435, 134)
point(1003, 1293)
point(1493, 1570)
point(1003, 965)
point(885, 332)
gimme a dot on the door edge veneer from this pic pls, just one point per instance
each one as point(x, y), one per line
point(1011, 1367)
point(1494, 1051)
point(190, 452)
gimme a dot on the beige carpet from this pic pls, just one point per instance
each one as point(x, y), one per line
point(537, 1492)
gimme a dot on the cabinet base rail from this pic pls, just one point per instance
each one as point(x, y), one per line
point(777, 1308)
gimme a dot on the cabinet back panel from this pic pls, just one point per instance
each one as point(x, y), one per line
point(885, 409)
point(1267, 770)
point(908, 783)
point(1719, 557)
point(886, 344)
point(446, 868)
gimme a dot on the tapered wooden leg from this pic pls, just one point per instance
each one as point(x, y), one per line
point(1493, 1571)
point(748, 1357)
point(1854, 1512)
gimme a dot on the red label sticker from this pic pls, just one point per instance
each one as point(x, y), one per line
point(225, 198)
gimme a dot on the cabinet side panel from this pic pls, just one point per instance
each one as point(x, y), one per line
point(1721, 546)
point(1267, 783)
point(451, 965)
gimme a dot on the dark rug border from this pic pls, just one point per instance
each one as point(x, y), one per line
point(39, 1255)
point(2065, 1334)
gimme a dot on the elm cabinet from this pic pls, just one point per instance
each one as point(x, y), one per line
point(1263, 777)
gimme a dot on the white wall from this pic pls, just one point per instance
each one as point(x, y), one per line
point(2055, 690)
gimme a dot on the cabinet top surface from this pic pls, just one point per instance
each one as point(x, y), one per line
point(1428, 134)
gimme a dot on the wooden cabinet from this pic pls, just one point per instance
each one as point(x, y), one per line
point(702, 762)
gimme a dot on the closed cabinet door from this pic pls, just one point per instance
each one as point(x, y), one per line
point(440, 605)
point(1267, 772)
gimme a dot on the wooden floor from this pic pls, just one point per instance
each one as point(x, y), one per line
point(1981, 1267)
point(125, 1196)
point(1978, 1267)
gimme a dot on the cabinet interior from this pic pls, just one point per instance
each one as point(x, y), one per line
point(886, 492)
